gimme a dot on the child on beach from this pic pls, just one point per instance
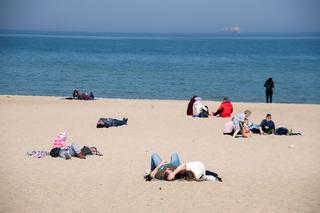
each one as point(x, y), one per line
point(245, 128)
point(238, 120)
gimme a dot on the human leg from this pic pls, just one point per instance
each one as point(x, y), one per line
point(116, 122)
point(74, 150)
point(174, 160)
point(155, 160)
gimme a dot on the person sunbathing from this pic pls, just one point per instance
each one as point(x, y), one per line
point(61, 149)
point(162, 169)
point(109, 122)
point(194, 170)
point(82, 96)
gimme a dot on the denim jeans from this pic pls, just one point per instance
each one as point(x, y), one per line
point(73, 150)
point(156, 159)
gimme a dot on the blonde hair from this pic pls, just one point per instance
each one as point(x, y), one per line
point(247, 112)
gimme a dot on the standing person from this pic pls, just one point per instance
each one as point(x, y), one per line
point(269, 90)
point(238, 120)
point(225, 109)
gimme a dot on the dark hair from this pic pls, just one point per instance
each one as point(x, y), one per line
point(268, 115)
point(166, 174)
point(226, 99)
point(189, 175)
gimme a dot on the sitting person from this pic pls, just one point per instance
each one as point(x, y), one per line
point(238, 120)
point(61, 149)
point(225, 109)
point(199, 110)
point(229, 128)
point(109, 122)
point(190, 105)
point(254, 128)
point(267, 125)
point(245, 128)
point(82, 96)
point(162, 169)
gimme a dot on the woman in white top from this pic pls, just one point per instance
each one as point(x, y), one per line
point(194, 170)
point(199, 108)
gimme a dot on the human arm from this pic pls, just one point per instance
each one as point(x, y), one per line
point(179, 169)
point(154, 172)
point(219, 110)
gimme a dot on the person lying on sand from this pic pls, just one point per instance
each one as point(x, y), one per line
point(162, 170)
point(109, 122)
point(82, 96)
point(61, 149)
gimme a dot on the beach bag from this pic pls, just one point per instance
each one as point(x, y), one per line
point(86, 151)
point(282, 131)
point(55, 152)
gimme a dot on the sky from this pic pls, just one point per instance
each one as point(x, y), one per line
point(167, 16)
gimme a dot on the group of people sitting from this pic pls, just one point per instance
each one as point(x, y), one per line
point(240, 125)
point(197, 109)
point(173, 170)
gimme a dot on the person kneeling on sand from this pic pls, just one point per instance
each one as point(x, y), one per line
point(238, 121)
point(199, 110)
point(225, 109)
point(267, 125)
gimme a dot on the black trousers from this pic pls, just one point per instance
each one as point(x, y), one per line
point(269, 96)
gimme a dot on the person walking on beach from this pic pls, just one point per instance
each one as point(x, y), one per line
point(269, 90)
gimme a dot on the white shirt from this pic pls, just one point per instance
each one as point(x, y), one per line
point(197, 107)
point(197, 168)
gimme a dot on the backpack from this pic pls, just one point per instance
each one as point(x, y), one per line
point(282, 131)
point(55, 152)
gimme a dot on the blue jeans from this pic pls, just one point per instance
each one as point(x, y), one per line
point(73, 150)
point(156, 159)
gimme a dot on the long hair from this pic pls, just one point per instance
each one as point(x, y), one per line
point(190, 176)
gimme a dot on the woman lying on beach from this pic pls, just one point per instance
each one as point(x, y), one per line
point(82, 96)
point(61, 149)
point(162, 170)
point(109, 122)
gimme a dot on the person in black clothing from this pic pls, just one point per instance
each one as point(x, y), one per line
point(267, 125)
point(269, 90)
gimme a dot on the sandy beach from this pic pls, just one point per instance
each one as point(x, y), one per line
point(260, 173)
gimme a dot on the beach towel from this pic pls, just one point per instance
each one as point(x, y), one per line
point(38, 154)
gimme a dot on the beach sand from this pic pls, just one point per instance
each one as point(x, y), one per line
point(260, 174)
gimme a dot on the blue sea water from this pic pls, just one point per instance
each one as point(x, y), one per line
point(162, 66)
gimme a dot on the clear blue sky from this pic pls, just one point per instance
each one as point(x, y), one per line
point(161, 15)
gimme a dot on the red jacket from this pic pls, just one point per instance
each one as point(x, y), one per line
point(224, 110)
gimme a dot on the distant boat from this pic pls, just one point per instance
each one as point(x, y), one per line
point(235, 29)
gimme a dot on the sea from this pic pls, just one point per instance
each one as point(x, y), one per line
point(162, 65)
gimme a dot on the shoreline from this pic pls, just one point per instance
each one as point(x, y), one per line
point(178, 100)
